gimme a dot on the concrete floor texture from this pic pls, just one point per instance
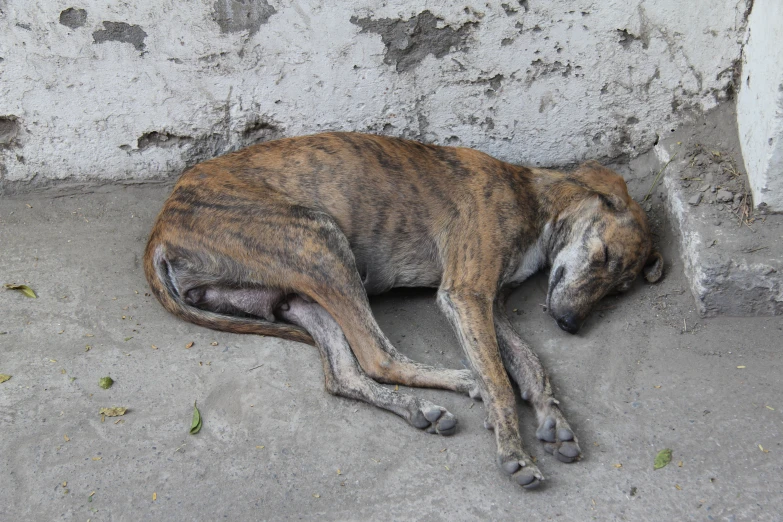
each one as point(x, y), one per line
point(645, 373)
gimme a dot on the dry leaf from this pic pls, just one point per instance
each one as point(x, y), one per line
point(154, 347)
point(762, 449)
point(66, 438)
point(65, 483)
point(213, 343)
point(113, 412)
point(339, 472)
point(447, 468)
point(4, 377)
point(657, 387)
point(87, 347)
point(259, 447)
point(678, 487)
point(770, 408)
point(189, 345)
point(679, 464)
point(618, 466)
point(740, 367)
point(154, 497)
point(316, 495)
point(96, 459)
point(26, 290)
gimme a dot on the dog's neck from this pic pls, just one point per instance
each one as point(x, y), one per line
point(556, 195)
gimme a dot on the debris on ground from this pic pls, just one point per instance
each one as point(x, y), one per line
point(662, 458)
point(113, 412)
point(195, 425)
point(26, 290)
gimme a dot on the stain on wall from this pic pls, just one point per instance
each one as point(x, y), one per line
point(242, 15)
point(121, 32)
point(408, 42)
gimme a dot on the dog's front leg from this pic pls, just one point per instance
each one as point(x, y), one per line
point(525, 368)
point(471, 317)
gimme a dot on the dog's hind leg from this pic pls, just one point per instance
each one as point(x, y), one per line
point(525, 368)
point(344, 377)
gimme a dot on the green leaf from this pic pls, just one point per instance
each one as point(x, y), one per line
point(195, 425)
point(4, 377)
point(662, 458)
point(26, 290)
point(105, 382)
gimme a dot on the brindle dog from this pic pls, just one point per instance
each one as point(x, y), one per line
point(288, 238)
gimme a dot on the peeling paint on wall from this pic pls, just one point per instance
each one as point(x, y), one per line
point(9, 130)
point(242, 15)
point(408, 42)
point(121, 32)
point(73, 17)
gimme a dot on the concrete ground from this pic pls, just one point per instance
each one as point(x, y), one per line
point(646, 373)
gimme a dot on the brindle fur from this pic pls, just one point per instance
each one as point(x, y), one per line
point(287, 238)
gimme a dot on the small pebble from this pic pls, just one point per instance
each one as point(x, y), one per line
point(725, 196)
point(695, 200)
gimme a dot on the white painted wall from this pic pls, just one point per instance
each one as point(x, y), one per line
point(538, 82)
point(760, 104)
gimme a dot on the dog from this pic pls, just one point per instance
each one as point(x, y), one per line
point(289, 237)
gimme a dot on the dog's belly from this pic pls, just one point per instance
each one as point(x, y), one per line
point(383, 264)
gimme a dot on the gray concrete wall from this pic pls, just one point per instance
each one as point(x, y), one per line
point(139, 90)
point(760, 104)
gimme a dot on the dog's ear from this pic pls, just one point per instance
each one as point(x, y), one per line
point(653, 268)
point(607, 183)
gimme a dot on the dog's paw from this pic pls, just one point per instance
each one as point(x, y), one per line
point(559, 440)
point(468, 384)
point(522, 470)
point(434, 419)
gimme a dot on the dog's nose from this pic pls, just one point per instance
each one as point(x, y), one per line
point(569, 323)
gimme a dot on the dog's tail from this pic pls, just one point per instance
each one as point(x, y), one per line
point(159, 276)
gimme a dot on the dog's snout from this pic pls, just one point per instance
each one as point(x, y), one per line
point(569, 322)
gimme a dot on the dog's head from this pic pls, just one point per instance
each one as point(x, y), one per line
point(601, 242)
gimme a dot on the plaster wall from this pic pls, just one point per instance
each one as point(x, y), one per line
point(140, 90)
point(760, 104)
